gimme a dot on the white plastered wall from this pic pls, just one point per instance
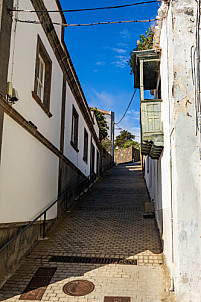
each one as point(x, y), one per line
point(29, 171)
point(181, 189)
point(28, 175)
point(21, 74)
point(165, 176)
point(76, 157)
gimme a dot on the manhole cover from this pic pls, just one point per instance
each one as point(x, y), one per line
point(117, 299)
point(78, 288)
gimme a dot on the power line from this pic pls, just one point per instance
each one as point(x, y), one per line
point(87, 24)
point(127, 107)
point(82, 9)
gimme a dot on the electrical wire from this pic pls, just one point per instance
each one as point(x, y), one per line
point(88, 24)
point(127, 107)
point(120, 128)
point(83, 9)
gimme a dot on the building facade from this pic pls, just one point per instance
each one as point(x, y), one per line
point(48, 138)
point(109, 118)
point(173, 172)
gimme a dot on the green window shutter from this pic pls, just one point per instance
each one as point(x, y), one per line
point(152, 126)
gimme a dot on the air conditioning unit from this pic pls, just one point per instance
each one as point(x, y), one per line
point(9, 89)
point(15, 96)
point(12, 94)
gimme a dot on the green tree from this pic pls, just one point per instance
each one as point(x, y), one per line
point(145, 42)
point(101, 122)
point(134, 144)
point(123, 139)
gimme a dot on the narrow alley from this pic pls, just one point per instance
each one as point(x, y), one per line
point(106, 222)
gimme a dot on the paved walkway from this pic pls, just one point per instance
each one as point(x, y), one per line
point(107, 223)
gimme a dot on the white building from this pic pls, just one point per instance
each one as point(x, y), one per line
point(109, 118)
point(171, 138)
point(48, 138)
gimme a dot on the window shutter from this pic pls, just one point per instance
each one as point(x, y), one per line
point(151, 118)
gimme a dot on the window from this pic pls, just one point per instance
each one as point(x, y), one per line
point(85, 154)
point(40, 78)
point(74, 130)
point(92, 159)
point(43, 72)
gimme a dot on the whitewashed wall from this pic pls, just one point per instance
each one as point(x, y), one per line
point(29, 171)
point(180, 189)
point(22, 76)
point(165, 171)
point(69, 151)
point(28, 175)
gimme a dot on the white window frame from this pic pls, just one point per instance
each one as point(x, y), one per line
point(40, 82)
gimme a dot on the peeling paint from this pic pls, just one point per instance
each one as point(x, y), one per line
point(180, 162)
point(189, 11)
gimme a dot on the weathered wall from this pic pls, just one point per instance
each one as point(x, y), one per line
point(123, 155)
point(106, 161)
point(67, 178)
point(175, 180)
point(186, 171)
point(11, 255)
point(126, 155)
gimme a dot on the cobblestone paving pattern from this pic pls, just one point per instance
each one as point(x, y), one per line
point(107, 221)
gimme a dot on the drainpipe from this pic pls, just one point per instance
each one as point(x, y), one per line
point(14, 39)
point(171, 208)
point(141, 99)
point(112, 133)
point(171, 178)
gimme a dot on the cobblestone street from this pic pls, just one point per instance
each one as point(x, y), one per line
point(106, 222)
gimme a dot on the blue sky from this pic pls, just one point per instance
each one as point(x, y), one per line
point(100, 54)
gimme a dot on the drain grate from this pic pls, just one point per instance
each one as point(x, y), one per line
point(117, 299)
point(74, 259)
point(100, 209)
point(38, 284)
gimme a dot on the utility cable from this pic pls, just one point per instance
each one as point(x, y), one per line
point(82, 9)
point(120, 128)
point(127, 107)
point(88, 24)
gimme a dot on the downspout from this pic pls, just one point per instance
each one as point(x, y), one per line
point(171, 177)
point(141, 99)
point(198, 113)
point(14, 40)
point(171, 209)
